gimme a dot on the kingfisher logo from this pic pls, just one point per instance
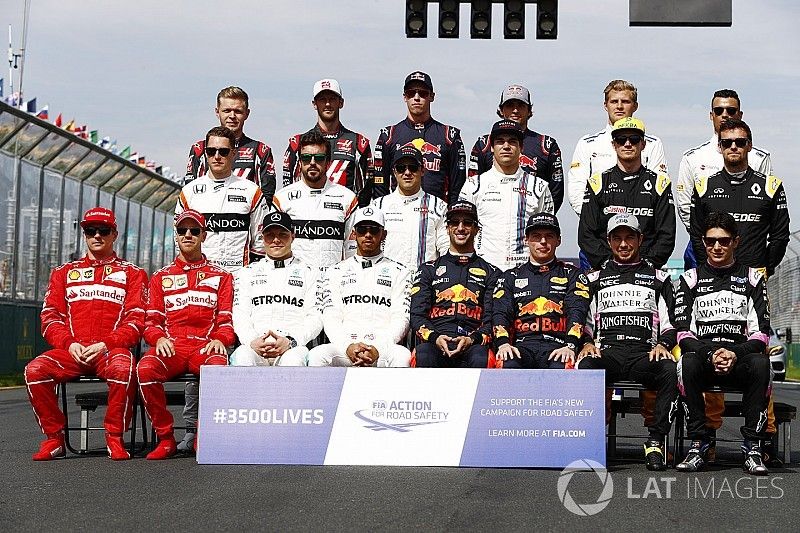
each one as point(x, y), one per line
point(401, 416)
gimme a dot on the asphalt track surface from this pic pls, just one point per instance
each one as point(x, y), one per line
point(93, 493)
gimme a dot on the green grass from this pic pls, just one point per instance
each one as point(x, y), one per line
point(11, 380)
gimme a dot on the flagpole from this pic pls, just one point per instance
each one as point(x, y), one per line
point(22, 49)
point(10, 65)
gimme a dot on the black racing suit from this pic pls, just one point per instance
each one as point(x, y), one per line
point(724, 308)
point(540, 156)
point(253, 162)
point(442, 152)
point(757, 202)
point(629, 314)
point(645, 194)
point(351, 161)
point(452, 296)
point(538, 309)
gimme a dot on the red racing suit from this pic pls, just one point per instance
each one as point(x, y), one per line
point(190, 304)
point(254, 162)
point(89, 301)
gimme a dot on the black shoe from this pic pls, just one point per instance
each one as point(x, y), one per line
point(696, 458)
point(753, 459)
point(654, 455)
point(770, 455)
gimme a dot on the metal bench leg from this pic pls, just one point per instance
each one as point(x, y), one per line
point(787, 442)
point(84, 431)
point(612, 437)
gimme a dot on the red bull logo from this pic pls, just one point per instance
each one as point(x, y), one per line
point(540, 306)
point(456, 293)
point(427, 148)
point(527, 162)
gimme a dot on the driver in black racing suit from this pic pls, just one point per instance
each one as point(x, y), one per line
point(540, 306)
point(629, 332)
point(451, 299)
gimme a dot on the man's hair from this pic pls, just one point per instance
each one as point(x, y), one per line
point(621, 85)
point(314, 138)
point(727, 93)
point(723, 221)
point(237, 93)
point(221, 131)
point(735, 124)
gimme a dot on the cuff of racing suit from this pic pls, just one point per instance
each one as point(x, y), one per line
point(499, 341)
point(432, 337)
point(752, 346)
point(689, 344)
point(477, 338)
point(67, 342)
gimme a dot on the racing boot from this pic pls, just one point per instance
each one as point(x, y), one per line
point(51, 448)
point(770, 455)
point(654, 455)
point(696, 458)
point(753, 459)
point(166, 448)
point(187, 445)
point(116, 448)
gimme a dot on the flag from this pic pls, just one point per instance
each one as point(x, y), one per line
point(113, 148)
point(58, 121)
point(134, 157)
point(125, 153)
point(142, 161)
point(93, 136)
point(43, 113)
point(81, 132)
point(160, 170)
point(1, 87)
point(150, 165)
point(105, 142)
point(13, 99)
point(30, 105)
point(70, 125)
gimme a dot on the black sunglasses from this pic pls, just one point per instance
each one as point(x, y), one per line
point(623, 139)
point(363, 229)
point(723, 241)
point(741, 142)
point(211, 152)
point(423, 93)
point(319, 158)
point(193, 230)
point(466, 222)
point(91, 231)
point(720, 110)
point(401, 168)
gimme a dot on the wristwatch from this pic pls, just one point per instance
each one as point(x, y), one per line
point(292, 342)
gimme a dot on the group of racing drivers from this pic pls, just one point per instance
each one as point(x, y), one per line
point(334, 267)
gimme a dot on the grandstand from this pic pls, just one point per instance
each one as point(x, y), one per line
point(48, 177)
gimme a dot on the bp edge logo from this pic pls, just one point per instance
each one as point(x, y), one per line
point(401, 415)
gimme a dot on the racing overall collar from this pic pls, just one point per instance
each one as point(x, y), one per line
point(368, 262)
point(541, 268)
point(97, 262)
point(190, 265)
point(460, 259)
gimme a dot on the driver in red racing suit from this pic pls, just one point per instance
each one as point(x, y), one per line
point(93, 315)
point(188, 324)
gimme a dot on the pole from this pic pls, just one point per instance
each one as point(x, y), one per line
point(22, 49)
point(10, 65)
